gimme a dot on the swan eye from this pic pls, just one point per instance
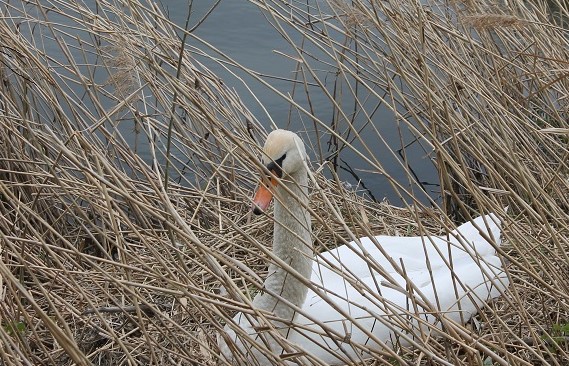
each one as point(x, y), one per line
point(276, 166)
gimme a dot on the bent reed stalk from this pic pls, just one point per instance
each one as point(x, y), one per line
point(107, 258)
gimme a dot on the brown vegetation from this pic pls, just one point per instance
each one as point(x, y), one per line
point(109, 257)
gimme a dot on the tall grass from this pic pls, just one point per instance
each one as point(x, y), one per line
point(111, 256)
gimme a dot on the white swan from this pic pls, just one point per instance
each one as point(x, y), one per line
point(344, 317)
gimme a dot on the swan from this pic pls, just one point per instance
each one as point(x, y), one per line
point(339, 306)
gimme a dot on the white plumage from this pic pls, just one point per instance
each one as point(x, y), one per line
point(358, 299)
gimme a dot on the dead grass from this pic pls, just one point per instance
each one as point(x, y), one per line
point(112, 257)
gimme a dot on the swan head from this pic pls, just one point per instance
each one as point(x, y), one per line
point(284, 155)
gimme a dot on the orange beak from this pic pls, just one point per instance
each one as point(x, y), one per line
point(264, 196)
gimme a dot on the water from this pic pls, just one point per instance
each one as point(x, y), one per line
point(239, 31)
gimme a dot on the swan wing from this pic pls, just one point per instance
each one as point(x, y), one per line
point(353, 302)
point(345, 318)
point(468, 240)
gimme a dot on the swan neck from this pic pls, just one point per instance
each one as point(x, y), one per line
point(292, 244)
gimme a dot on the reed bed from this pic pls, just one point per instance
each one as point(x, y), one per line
point(127, 167)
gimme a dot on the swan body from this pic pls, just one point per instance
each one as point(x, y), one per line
point(363, 293)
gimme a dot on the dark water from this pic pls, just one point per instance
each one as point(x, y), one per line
point(238, 30)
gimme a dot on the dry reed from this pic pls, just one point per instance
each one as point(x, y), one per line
point(112, 257)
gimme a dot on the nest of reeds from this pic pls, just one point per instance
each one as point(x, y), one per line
point(127, 167)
